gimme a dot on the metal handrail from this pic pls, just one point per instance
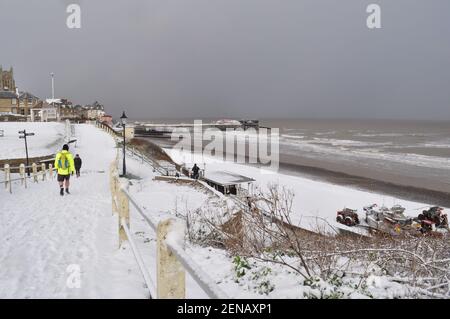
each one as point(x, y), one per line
point(149, 161)
point(148, 280)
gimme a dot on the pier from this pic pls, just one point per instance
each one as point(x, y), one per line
point(165, 130)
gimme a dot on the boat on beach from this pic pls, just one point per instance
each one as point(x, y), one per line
point(388, 220)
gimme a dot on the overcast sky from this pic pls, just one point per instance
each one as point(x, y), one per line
point(235, 58)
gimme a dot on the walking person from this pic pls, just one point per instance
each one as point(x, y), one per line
point(65, 166)
point(195, 171)
point(77, 161)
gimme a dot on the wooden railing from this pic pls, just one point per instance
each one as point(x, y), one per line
point(108, 129)
point(172, 260)
point(38, 172)
point(45, 172)
point(134, 152)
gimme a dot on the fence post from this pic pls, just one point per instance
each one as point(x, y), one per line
point(124, 213)
point(23, 175)
point(50, 171)
point(34, 169)
point(7, 178)
point(170, 273)
point(44, 173)
point(113, 186)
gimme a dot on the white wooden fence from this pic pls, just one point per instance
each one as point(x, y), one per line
point(172, 260)
point(38, 173)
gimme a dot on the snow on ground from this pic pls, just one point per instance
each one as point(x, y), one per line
point(312, 198)
point(46, 237)
point(160, 200)
point(47, 140)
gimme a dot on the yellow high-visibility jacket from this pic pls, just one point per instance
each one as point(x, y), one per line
point(64, 163)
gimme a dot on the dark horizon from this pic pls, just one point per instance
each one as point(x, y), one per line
point(406, 120)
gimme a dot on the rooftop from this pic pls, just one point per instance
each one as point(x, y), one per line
point(225, 178)
point(27, 95)
point(7, 95)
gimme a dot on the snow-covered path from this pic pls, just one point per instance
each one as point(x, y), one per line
point(46, 238)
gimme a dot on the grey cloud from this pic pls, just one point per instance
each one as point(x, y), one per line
point(234, 58)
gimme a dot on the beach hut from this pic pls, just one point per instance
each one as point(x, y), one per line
point(228, 183)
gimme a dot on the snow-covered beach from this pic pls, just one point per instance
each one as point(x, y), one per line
point(312, 198)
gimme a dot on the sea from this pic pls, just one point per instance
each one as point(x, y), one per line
point(412, 154)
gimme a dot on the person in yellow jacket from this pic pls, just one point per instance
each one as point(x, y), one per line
point(65, 166)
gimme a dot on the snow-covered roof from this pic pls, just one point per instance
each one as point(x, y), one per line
point(50, 101)
point(228, 122)
point(7, 95)
point(225, 178)
point(27, 95)
point(11, 114)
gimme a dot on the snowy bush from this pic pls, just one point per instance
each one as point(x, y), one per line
point(240, 266)
point(334, 267)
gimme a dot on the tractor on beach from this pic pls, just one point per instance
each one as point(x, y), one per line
point(348, 217)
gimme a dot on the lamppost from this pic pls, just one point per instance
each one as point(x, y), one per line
point(123, 120)
point(53, 94)
point(24, 136)
point(53, 85)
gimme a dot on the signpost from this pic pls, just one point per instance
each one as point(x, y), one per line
point(24, 136)
point(73, 141)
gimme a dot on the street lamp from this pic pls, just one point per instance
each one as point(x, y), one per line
point(53, 85)
point(123, 120)
point(24, 136)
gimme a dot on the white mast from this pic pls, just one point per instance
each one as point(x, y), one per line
point(53, 85)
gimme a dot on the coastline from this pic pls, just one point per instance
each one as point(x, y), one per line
point(405, 192)
point(400, 187)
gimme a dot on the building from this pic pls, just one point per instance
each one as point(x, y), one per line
point(7, 82)
point(27, 101)
point(249, 123)
point(107, 119)
point(8, 102)
point(94, 111)
point(228, 183)
point(64, 108)
point(44, 112)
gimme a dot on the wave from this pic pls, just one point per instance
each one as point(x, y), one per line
point(337, 142)
point(300, 137)
point(312, 150)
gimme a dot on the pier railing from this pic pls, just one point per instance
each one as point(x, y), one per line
point(172, 261)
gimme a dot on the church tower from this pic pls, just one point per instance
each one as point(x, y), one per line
point(7, 82)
